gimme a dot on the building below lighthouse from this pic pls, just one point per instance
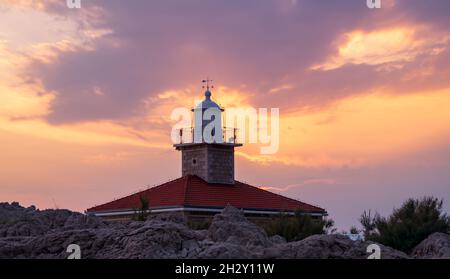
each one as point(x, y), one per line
point(207, 184)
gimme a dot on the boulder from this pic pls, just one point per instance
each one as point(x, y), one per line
point(277, 239)
point(232, 226)
point(435, 246)
point(328, 247)
point(159, 239)
point(16, 220)
point(226, 250)
point(174, 217)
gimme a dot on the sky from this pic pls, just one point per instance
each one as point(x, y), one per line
point(364, 96)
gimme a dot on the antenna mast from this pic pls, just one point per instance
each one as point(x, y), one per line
point(208, 82)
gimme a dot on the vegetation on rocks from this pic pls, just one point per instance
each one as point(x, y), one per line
point(408, 225)
point(297, 227)
point(141, 213)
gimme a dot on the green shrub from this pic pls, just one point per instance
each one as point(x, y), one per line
point(408, 225)
point(141, 213)
point(200, 224)
point(7, 221)
point(297, 227)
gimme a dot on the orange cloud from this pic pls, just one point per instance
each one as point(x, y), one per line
point(25, 105)
point(362, 130)
point(308, 182)
point(355, 131)
point(393, 45)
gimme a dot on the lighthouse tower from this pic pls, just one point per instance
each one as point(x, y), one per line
point(207, 149)
point(207, 184)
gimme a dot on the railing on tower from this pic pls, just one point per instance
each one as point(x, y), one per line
point(186, 135)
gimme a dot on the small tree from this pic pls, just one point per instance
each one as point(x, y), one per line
point(142, 212)
point(408, 225)
point(298, 227)
point(369, 223)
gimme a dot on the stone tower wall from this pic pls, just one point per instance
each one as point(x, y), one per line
point(194, 161)
point(213, 163)
point(220, 165)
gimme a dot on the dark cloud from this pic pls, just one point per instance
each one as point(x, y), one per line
point(173, 44)
point(435, 12)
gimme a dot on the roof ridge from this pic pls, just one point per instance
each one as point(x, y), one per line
point(280, 195)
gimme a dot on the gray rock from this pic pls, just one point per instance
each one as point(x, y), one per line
point(328, 247)
point(175, 217)
point(276, 239)
point(31, 233)
point(224, 250)
point(19, 221)
point(232, 226)
point(435, 246)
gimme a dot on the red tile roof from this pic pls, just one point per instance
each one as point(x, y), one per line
point(192, 191)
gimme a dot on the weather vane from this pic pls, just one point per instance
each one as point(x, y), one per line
point(207, 81)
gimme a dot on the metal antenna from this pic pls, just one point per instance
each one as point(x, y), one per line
point(207, 81)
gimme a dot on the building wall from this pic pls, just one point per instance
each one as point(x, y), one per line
point(194, 161)
point(220, 165)
point(201, 217)
point(213, 163)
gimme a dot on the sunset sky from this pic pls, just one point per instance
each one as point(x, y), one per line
point(364, 97)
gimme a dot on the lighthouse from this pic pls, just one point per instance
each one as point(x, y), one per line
point(207, 184)
point(207, 150)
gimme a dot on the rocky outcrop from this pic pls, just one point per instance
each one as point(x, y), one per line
point(16, 220)
point(231, 226)
point(31, 233)
point(436, 246)
point(328, 247)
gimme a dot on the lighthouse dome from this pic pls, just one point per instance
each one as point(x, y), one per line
point(207, 102)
